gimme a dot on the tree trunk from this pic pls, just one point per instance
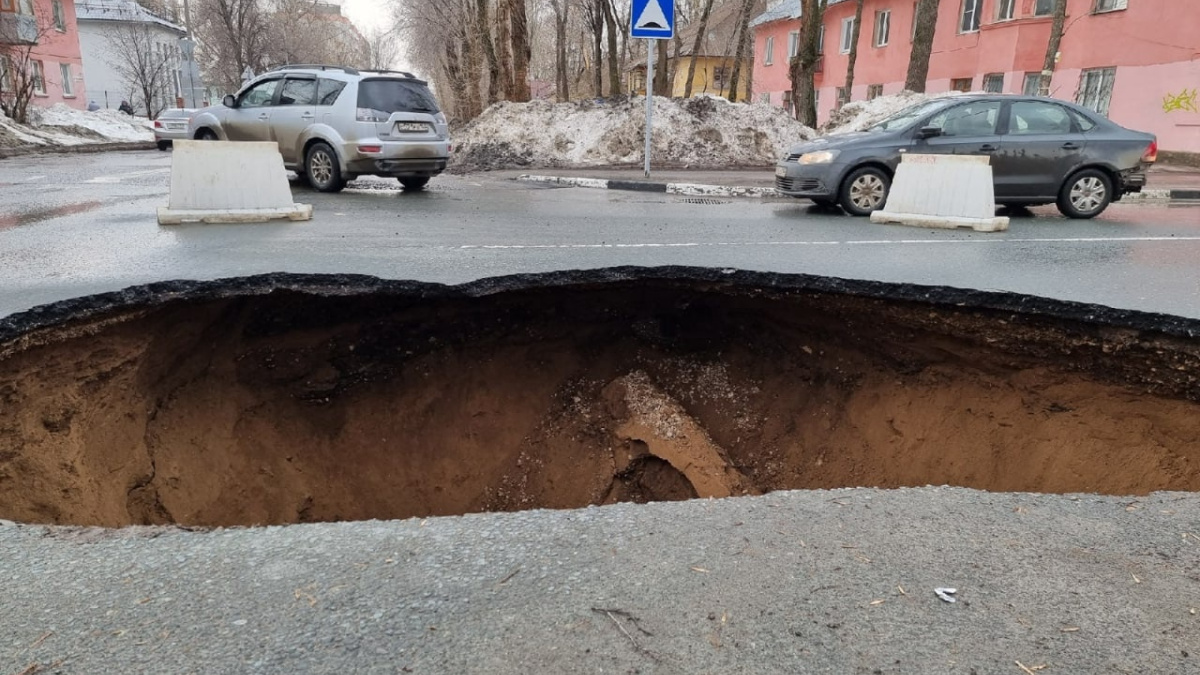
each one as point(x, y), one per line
point(739, 52)
point(661, 55)
point(614, 66)
point(520, 50)
point(595, 21)
point(472, 74)
point(458, 85)
point(696, 45)
point(858, 12)
point(560, 50)
point(918, 62)
point(504, 50)
point(1056, 34)
point(484, 31)
point(804, 65)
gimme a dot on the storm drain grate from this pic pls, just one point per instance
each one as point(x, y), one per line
point(705, 201)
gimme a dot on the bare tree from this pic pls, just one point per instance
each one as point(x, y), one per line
point(614, 68)
point(593, 18)
point(140, 54)
point(701, 32)
point(21, 74)
point(1057, 28)
point(803, 66)
point(234, 36)
point(743, 41)
point(519, 30)
point(853, 57)
point(561, 16)
point(484, 33)
point(381, 46)
point(918, 61)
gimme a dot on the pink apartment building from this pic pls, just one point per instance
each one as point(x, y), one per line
point(55, 56)
point(1137, 61)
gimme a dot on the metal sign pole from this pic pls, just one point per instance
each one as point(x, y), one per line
point(649, 98)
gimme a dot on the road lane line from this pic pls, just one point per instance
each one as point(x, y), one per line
point(118, 177)
point(851, 242)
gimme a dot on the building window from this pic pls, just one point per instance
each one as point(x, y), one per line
point(1095, 89)
point(847, 35)
point(962, 84)
point(769, 52)
point(7, 6)
point(916, 8)
point(793, 44)
point(764, 98)
point(883, 27)
point(1033, 83)
point(39, 77)
point(1110, 5)
point(821, 41)
point(60, 22)
point(788, 104)
point(1005, 9)
point(874, 91)
point(25, 7)
point(1043, 7)
point(971, 10)
point(5, 74)
point(994, 83)
point(843, 96)
point(68, 86)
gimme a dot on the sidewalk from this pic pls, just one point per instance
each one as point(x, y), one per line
point(1163, 181)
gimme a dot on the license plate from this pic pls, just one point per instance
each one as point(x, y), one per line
point(781, 171)
point(412, 126)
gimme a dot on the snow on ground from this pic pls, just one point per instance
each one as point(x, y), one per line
point(62, 125)
point(701, 132)
point(862, 115)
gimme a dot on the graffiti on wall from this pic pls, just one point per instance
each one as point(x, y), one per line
point(1183, 101)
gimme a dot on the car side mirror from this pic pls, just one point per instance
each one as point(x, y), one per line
point(229, 101)
point(928, 132)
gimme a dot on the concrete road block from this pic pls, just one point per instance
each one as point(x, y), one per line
point(229, 182)
point(945, 191)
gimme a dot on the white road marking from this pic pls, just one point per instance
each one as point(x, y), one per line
point(852, 242)
point(117, 178)
point(33, 179)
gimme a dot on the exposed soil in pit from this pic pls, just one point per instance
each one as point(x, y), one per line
point(295, 406)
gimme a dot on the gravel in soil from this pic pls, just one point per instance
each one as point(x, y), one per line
point(293, 407)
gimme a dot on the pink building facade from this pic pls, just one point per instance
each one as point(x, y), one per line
point(56, 56)
point(1137, 61)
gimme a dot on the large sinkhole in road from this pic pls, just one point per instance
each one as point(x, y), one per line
point(296, 399)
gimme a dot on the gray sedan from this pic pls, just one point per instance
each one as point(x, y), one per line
point(1044, 151)
point(171, 125)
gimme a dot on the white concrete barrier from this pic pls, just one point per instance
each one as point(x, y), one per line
point(945, 191)
point(229, 182)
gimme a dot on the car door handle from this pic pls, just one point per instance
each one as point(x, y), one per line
point(988, 147)
point(306, 117)
point(1070, 146)
point(264, 116)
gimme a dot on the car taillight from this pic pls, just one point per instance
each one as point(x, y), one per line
point(1151, 152)
point(157, 124)
point(370, 148)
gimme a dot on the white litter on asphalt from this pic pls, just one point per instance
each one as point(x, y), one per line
point(946, 594)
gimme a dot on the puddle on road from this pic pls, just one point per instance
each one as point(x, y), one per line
point(39, 215)
point(334, 400)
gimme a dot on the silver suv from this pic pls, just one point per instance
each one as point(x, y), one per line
point(334, 124)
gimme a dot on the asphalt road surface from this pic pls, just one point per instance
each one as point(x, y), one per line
point(73, 226)
point(799, 582)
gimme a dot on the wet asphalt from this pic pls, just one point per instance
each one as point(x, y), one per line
point(76, 225)
point(799, 582)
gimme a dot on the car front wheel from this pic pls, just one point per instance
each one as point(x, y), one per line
point(321, 168)
point(1085, 194)
point(864, 190)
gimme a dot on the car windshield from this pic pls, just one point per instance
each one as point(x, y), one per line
point(391, 95)
point(909, 115)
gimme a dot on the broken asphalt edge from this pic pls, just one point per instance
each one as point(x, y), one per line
point(16, 328)
point(700, 190)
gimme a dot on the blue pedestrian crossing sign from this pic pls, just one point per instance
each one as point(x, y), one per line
point(654, 19)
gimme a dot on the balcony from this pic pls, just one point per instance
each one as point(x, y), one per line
point(18, 29)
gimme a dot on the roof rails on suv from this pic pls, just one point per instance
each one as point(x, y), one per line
point(317, 66)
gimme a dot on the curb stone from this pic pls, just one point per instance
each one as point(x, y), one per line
point(22, 150)
point(699, 190)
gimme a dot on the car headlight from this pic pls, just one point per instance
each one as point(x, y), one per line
point(820, 157)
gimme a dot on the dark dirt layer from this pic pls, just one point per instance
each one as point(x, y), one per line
point(295, 407)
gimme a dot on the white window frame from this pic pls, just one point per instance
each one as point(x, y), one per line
point(60, 16)
point(37, 70)
point(769, 51)
point(1104, 6)
point(842, 95)
point(991, 77)
point(1034, 79)
point(883, 27)
point(821, 41)
point(874, 91)
point(1094, 96)
point(976, 9)
point(793, 44)
point(68, 84)
point(1006, 10)
point(847, 35)
point(5, 74)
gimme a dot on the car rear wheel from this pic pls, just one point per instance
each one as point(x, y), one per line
point(321, 168)
point(414, 184)
point(1085, 194)
point(163, 145)
point(206, 135)
point(864, 190)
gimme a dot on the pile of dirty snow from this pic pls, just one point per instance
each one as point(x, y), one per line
point(862, 115)
point(702, 132)
point(62, 125)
